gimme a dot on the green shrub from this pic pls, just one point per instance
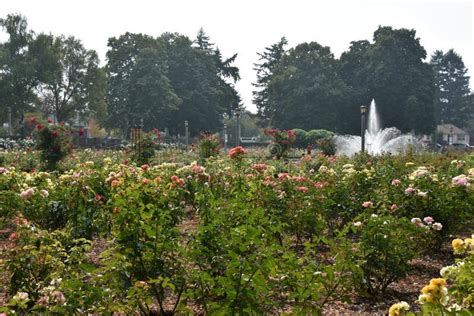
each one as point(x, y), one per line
point(54, 142)
point(316, 134)
point(386, 246)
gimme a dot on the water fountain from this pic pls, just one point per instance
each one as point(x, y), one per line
point(378, 140)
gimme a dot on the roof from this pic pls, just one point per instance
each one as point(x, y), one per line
point(449, 129)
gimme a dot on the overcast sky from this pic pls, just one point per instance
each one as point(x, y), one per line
point(246, 27)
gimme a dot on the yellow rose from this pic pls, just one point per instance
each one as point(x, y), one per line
point(457, 244)
point(438, 282)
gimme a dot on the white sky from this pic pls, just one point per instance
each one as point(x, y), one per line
point(247, 27)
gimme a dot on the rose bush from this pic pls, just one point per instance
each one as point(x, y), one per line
point(227, 234)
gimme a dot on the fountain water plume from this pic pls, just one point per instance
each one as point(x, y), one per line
point(378, 140)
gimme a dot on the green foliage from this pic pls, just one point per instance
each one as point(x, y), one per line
point(281, 142)
point(452, 88)
point(168, 80)
point(387, 244)
point(54, 142)
point(326, 146)
point(300, 140)
point(143, 149)
point(208, 145)
point(235, 236)
point(317, 134)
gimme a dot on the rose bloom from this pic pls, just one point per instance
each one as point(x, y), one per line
point(44, 193)
point(437, 226)
point(396, 182)
point(13, 236)
point(416, 220)
point(115, 183)
point(428, 220)
point(357, 224)
point(393, 207)
point(368, 204)
point(3, 170)
point(409, 190)
point(260, 167)
point(145, 167)
point(236, 152)
point(27, 193)
point(457, 244)
point(197, 169)
point(302, 189)
point(460, 180)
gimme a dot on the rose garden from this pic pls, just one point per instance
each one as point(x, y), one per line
point(207, 232)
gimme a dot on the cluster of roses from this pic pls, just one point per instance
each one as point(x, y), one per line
point(427, 222)
point(281, 137)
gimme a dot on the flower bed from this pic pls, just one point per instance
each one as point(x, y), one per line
point(234, 234)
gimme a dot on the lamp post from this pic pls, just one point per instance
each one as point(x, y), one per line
point(450, 141)
point(237, 116)
point(363, 112)
point(225, 137)
point(10, 131)
point(186, 131)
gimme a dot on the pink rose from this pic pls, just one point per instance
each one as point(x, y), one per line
point(393, 207)
point(302, 189)
point(437, 226)
point(409, 190)
point(396, 182)
point(368, 204)
point(428, 220)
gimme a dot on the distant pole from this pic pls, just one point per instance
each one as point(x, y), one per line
point(225, 137)
point(186, 131)
point(10, 130)
point(363, 112)
point(237, 115)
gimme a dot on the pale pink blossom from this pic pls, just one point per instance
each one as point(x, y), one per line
point(422, 194)
point(437, 226)
point(28, 193)
point(393, 207)
point(417, 221)
point(460, 180)
point(409, 191)
point(428, 220)
point(44, 193)
point(368, 204)
point(396, 182)
point(302, 189)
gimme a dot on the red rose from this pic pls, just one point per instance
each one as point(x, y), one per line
point(39, 127)
point(50, 120)
point(80, 132)
point(55, 134)
point(236, 152)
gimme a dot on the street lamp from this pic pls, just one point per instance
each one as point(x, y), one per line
point(450, 142)
point(225, 137)
point(186, 131)
point(10, 131)
point(237, 116)
point(363, 112)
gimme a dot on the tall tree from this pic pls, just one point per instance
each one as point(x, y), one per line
point(305, 90)
point(18, 73)
point(67, 87)
point(354, 71)
point(200, 77)
point(401, 83)
point(122, 58)
point(452, 88)
point(268, 62)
